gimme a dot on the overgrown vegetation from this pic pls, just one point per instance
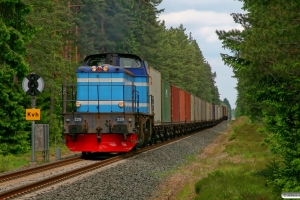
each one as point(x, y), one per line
point(265, 60)
point(14, 33)
point(236, 175)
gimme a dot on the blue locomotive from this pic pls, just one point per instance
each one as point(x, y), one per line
point(116, 106)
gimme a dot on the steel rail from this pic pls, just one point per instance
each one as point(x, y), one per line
point(34, 170)
point(13, 193)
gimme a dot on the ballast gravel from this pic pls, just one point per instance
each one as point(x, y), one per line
point(136, 178)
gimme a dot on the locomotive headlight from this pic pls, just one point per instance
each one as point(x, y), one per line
point(121, 104)
point(78, 104)
point(94, 68)
point(105, 68)
point(99, 68)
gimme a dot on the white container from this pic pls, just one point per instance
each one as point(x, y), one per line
point(155, 91)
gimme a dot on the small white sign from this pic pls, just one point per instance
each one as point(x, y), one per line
point(290, 195)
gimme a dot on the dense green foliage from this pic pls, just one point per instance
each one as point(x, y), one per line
point(50, 37)
point(14, 33)
point(266, 61)
point(53, 21)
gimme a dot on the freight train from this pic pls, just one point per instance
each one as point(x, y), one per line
point(119, 104)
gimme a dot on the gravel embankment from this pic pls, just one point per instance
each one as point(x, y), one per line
point(137, 177)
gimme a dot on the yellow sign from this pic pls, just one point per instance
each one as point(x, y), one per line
point(33, 114)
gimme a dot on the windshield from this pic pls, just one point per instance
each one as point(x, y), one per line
point(122, 60)
point(129, 62)
point(95, 61)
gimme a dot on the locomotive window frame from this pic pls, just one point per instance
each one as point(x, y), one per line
point(130, 62)
point(122, 60)
point(96, 61)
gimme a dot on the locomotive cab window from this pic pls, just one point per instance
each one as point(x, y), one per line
point(129, 62)
point(122, 60)
point(95, 61)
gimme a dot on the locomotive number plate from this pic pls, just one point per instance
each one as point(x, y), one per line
point(120, 119)
point(77, 119)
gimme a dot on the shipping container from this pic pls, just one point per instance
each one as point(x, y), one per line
point(208, 111)
point(175, 104)
point(217, 112)
point(187, 106)
point(166, 102)
point(193, 108)
point(195, 111)
point(155, 94)
point(182, 106)
point(198, 110)
point(203, 110)
point(220, 112)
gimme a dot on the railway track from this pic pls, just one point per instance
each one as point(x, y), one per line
point(25, 189)
point(26, 172)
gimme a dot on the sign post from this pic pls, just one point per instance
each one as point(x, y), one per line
point(33, 84)
point(33, 100)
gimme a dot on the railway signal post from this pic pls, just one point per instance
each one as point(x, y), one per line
point(33, 84)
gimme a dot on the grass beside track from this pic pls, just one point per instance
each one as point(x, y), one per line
point(234, 176)
point(226, 169)
point(11, 162)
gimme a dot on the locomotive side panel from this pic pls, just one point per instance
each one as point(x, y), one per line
point(155, 91)
point(142, 93)
point(175, 104)
point(166, 102)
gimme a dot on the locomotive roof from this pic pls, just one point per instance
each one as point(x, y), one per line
point(112, 53)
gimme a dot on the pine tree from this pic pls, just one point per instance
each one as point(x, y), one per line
point(47, 59)
point(14, 34)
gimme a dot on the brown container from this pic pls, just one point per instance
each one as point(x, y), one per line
point(187, 107)
point(175, 104)
point(182, 106)
point(225, 113)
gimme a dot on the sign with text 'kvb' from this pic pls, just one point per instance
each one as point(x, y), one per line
point(33, 114)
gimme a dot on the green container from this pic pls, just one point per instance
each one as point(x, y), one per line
point(166, 102)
